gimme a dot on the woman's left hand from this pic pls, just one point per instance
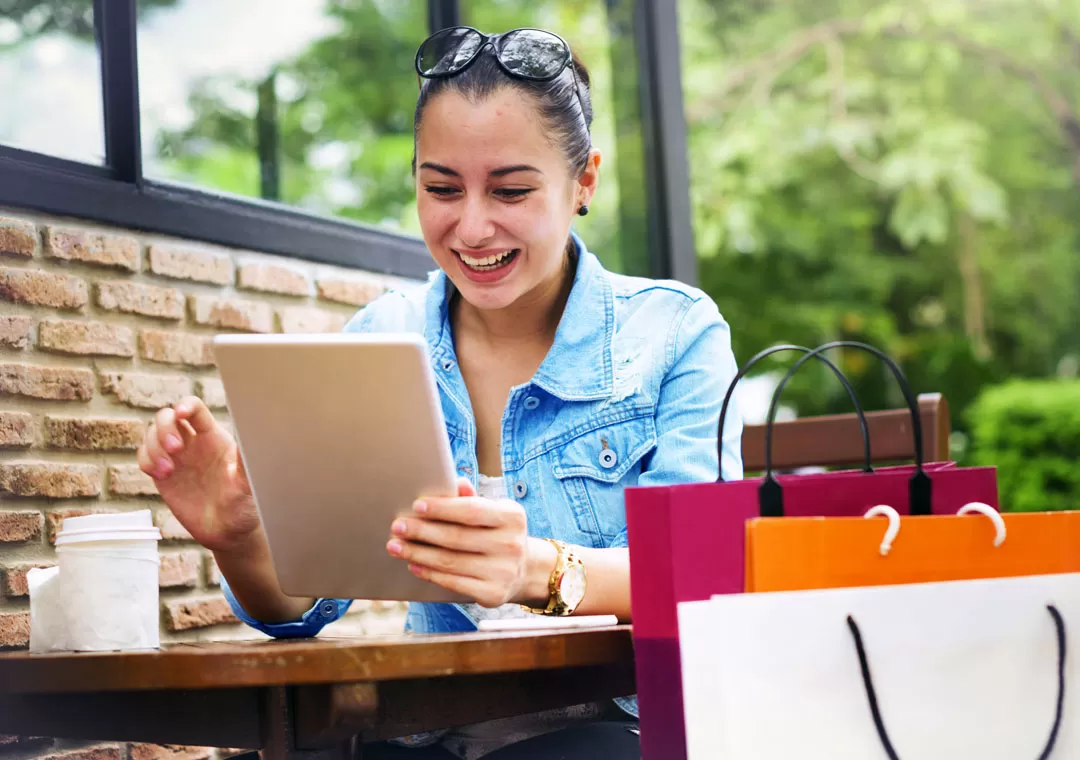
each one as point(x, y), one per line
point(470, 545)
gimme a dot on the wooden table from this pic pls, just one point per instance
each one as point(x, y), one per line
point(300, 698)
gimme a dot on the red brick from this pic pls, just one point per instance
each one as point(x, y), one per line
point(129, 480)
point(89, 753)
point(15, 331)
point(355, 291)
point(146, 300)
point(185, 614)
point(37, 288)
point(213, 574)
point(232, 313)
point(51, 480)
point(16, 430)
point(211, 391)
point(168, 752)
point(17, 238)
point(20, 527)
point(15, 629)
point(13, 580)
point(68, 336)
point(52, 383)
point(94, 434)
point(306, 319)
point(167, 347)
point(184, 263)
point(272, 278)
point(179, 569)
point(171, 529)
point(73, 244)
point(145, 391)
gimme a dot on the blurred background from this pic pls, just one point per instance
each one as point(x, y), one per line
point(904, 173)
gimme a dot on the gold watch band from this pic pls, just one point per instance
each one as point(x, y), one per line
point(556, 604)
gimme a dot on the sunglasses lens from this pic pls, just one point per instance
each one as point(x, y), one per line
point(449, 50)
point(534, 54)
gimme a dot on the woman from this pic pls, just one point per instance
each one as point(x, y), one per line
point(561, 384)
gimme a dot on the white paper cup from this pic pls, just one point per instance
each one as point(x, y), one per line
point(109, 581)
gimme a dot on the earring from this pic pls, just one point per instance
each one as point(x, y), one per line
point(583, 210)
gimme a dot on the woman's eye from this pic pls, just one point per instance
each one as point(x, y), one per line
point(441, 191)
point(513, 193)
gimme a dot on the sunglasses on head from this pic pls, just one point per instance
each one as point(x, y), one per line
point(532, 54)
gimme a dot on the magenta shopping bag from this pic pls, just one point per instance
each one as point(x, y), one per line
point(687, 542)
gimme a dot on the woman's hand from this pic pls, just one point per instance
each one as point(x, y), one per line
point(196, 466)
point(473, 546)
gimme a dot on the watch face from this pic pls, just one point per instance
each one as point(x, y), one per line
point(572, 586)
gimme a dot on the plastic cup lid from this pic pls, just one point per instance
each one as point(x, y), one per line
point(122, 526)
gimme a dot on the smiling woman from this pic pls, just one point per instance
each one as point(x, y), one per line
point(561, 383)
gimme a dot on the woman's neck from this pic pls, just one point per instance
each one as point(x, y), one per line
point(533, 317)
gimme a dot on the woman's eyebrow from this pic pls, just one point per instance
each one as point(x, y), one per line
point(502, 171)
point(440, 169)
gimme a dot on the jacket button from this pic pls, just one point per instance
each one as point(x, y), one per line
point(608, 459)
point(328, 609)
point(532, 402)
point(447, 365)
point(520, 489)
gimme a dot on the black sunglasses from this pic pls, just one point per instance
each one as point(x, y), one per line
point(533, 54)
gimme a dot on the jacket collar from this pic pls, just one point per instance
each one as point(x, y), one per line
point(579, 365)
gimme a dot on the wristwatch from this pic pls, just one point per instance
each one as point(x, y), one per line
point(566, 587)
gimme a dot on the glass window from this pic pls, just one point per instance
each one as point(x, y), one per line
point(305, 102)
point(50, 77)
point(610, 229)
point(903, 173)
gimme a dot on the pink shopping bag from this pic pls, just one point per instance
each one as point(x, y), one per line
point(687, 543)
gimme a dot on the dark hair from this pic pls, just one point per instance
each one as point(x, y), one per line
point(566, 117)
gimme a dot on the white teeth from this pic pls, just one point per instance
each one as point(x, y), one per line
point(487, 261)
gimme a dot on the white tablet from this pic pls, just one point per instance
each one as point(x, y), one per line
point(340, 433)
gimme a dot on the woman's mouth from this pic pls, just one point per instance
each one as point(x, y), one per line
point(489, 263)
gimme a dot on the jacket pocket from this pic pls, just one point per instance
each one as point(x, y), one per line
point(594, 467)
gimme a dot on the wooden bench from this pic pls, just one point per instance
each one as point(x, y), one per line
point(836, 440)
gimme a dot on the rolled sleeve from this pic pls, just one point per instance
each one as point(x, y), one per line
point(321, 614)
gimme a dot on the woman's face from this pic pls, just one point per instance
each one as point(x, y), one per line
point(495, 196)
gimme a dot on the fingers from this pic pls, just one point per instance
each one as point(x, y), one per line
point(474, 511)
point(192, 410)
point(486, 594)
point(465, 488)
point(445, 560)
point(460, 538)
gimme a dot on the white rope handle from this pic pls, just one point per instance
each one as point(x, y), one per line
point(993, 514)
point(894, 525)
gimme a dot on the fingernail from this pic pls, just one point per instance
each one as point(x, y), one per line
point(398, 527)
point(164, 467)
point(394, 547)
point(183, 408)
point(173, 442)
point(416, 570)
point(420, 506)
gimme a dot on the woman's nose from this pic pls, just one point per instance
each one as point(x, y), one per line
point(475, 227)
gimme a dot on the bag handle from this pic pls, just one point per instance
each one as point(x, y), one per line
point(771, 493)
point(875, 710)
point(769, 352)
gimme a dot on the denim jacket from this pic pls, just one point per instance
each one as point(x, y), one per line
point(629, 394)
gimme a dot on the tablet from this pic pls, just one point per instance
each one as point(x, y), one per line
point(340, 433)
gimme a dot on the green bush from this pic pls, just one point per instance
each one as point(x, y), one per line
point(1030, 429)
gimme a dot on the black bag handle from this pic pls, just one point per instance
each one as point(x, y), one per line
point(771, 493)
point(875, 710)
point(769, 352)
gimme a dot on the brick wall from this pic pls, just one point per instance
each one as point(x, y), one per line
point(98, 329)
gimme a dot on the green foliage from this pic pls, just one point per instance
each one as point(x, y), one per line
point(901, 172)
point(1031, 430)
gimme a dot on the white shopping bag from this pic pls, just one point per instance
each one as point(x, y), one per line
point(964, 669)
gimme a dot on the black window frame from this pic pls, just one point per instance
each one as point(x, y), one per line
point(118, 194)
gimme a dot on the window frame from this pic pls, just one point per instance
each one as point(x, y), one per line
point(119, 194)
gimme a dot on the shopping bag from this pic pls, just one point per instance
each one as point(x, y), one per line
point(687, 541)
point(929, 671)
point(794, 554)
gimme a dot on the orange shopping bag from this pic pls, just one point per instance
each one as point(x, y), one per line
point(800, 553)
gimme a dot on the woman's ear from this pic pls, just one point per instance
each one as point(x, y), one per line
point(587, 182)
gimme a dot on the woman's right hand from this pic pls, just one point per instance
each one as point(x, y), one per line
point(199, 473)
